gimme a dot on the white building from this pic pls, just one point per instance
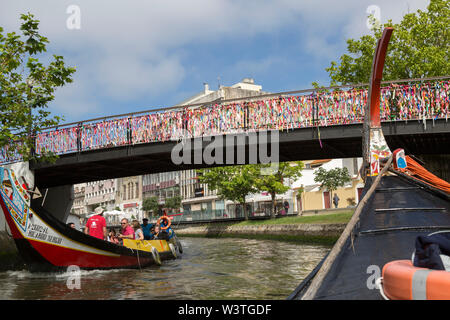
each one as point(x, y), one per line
point(100, 193)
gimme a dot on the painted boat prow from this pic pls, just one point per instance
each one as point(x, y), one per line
point(46, 243)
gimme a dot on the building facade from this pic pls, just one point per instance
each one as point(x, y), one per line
point(100, 193)
point(129, 197)
point(79, 205)
point(199, 202)
point(307, 194)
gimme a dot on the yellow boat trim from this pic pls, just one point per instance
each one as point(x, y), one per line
point(147, 245)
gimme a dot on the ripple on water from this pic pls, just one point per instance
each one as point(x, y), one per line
point(208, 269)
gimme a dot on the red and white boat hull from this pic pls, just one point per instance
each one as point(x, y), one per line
point(44, 242)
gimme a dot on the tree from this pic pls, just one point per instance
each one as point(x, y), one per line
point(173, 203)
point(274, 183)
point(332, 179)
point(300, 191)
point(151, 204)
point(234, 183)
point(27, 86)
point(419, 47)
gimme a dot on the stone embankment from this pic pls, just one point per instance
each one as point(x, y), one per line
point(9, 256)
point(315, 230)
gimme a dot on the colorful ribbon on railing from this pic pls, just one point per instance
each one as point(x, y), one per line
point(419, 101)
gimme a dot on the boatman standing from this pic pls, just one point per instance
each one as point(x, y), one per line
point(96, 225)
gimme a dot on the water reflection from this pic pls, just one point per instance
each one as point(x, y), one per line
point(208, 269)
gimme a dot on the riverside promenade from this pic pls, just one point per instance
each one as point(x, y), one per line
point(323, 227)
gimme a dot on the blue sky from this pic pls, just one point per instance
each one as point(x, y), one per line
point(137, 55)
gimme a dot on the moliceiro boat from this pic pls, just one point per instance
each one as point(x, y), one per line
point(46, 243)
point(396, 246)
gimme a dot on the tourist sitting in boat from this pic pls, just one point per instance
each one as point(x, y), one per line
point(155, 232)
point(146, 229)
point(127, 231)
point(96, 225)
point(138, 234)
point(112, 237)
point(166, 232)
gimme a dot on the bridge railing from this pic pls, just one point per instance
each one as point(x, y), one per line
point(283, 111)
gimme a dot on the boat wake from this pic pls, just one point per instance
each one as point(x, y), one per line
point(25, 274)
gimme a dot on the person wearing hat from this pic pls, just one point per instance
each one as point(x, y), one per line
point(96, 225)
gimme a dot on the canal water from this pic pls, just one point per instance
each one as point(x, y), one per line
point(209, 268)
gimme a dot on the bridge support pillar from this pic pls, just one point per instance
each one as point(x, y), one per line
point(57, 200)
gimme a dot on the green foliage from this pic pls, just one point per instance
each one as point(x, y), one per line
point(419, 47)
point(274, 183)
point(323, 218)
point(333, 178)
point(151, 204)
point(233, 183)
point(173, 203)
point(26, 87)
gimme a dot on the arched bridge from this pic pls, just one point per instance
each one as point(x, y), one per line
point(318, 125)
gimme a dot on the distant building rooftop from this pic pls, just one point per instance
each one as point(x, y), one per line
point(244, 88)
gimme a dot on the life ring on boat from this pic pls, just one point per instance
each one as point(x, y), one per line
point(401, 280)
point(168, 222)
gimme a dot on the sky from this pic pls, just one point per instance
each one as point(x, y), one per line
point(138, 55)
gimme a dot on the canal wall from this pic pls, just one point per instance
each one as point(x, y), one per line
point(298, 230)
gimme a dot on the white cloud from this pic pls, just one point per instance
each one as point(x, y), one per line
point(389, 10)
point(122, 76)
point(76, 99)
point(253, 67)
point(131, 50)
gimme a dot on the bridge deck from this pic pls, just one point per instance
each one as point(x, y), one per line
point(342, 141)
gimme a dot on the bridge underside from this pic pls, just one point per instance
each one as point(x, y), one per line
point(299, 144)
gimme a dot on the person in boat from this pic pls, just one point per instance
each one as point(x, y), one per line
point(166, 231)
point(96, 225)
point(71, 224)
point(155, 232)
point(146, 227)
point(138, 234)
point(112, 237)
point(127, 231)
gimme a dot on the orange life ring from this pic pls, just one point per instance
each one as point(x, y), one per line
point(168, 222)
point(403, 281)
